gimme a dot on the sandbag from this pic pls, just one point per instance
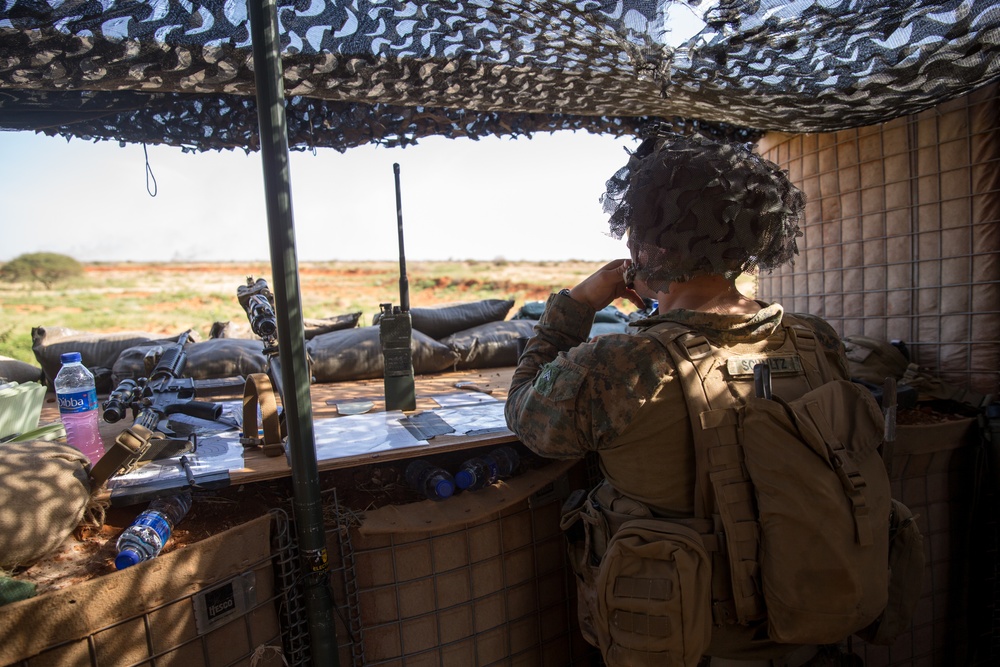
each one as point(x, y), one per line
point(355, 354)
point(98, 351)
point(313, 326)
point(231, 329)
point(440, 321)
point(224, 358)
point(610, 314)
point(491, 345)
point(319, 326)
point(210, 359)
point(872, 360)
point(531, 310)
point(44, 493)
point(15, 370)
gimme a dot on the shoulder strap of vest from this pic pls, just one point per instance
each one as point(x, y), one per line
point(803, 337)
point(686, 349)
point(722, 484)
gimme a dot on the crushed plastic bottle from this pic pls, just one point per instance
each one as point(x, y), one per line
point(146, 536)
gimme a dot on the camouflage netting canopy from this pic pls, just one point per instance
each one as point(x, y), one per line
point(359, 71)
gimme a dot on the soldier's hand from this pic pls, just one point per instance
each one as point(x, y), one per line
point(606, 285)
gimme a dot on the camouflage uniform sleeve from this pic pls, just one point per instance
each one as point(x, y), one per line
point(568, 396)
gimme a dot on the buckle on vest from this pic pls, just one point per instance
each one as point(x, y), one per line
point(804, 337)
point(854, 486)
point(695, 346)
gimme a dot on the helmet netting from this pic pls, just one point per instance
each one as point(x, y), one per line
point(690, 205)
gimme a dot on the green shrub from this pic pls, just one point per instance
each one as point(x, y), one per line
point(47, 268)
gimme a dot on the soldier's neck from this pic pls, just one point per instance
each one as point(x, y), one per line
point(709, 294)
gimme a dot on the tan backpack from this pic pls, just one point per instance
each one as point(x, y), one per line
point(873, 360)
point(792, 514)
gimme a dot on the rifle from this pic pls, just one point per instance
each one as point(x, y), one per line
point(395, 330)
point(264, 389)
point(151, 399)
point(258, 302)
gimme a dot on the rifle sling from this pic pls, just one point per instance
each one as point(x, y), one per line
point(259, 392)
point(134, 447)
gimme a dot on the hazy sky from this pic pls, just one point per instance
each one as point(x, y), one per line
point(517, 199)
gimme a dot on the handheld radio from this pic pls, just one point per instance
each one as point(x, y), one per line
point(395, 332)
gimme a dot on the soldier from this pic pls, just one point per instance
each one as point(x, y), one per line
point(697, 214)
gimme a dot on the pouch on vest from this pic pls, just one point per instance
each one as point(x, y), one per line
point(579, 524)
point(654, 596)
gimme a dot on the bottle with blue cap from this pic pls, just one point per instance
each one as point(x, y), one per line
point(481, 471)
point(147, 535)
point(77, 397)
point(430, 480)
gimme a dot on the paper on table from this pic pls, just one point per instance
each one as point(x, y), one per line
point(338, 437)
point(219, 449)
point(481, 418)
point(456, 399)
point(216, 453)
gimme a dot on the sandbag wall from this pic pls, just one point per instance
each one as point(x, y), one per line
point(902, 234)
point(902, 241)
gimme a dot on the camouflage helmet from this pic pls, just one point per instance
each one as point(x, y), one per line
point(691, 205)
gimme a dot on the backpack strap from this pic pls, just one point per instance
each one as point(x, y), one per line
point(723, 492)
point(847, 471)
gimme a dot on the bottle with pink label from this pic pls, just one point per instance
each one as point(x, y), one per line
point(77, 396)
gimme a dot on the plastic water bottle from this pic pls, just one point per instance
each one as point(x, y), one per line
point(78, 409)
point(430, 480)
point(480, 471)
point(145, 537)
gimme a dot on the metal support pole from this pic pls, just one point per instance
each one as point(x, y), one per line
point(297, 403)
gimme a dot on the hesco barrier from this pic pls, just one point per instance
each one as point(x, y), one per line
point(902, 234)
point(478, 579)
point(218, 602)
point(937, 472)
point(902, 241)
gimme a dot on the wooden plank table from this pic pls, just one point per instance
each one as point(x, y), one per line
point(325, 398)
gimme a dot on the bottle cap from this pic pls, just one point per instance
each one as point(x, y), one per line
point(126, 558)
point(464, 479)
point(70, 357)
point(444, 488)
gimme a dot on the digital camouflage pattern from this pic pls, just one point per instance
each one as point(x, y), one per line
point(618, 395)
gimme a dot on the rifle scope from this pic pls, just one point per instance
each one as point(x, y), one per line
point(120, 400)
point(262, 319)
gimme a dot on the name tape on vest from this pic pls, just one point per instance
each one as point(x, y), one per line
point(743, 366)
